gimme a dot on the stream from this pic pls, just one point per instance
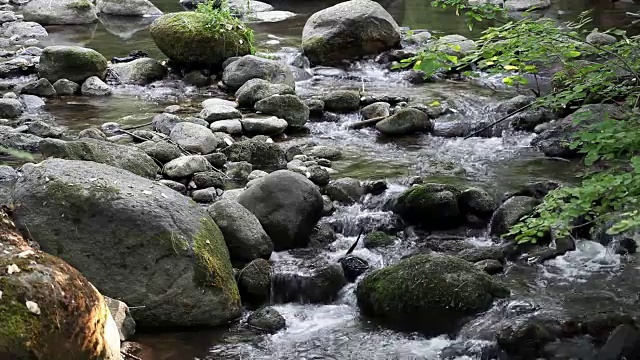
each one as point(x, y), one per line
point(591, 277)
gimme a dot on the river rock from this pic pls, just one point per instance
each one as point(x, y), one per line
point(455, 45)
point(233, 126)
point(20, 141)
point(325, 152)
point(26, 29)
point(601, 39)
point(342, 101)
point(243, 7)
point(64, 87)
point(254, 282)
point(242, 231)
point(127, 7)
point(345, 190)
point(162, 151)
point(405, 121)
point(209, 179)
point(524, 5)
point(174, 185)
point(262, 155)
point(376, 110)
point(213, 113)
point(319, 176)
point(477, 202)
point(269, 126)
point(238, 171)
point(49, 308)
point(186, 166)
point(510, 212)
point(439, 293)
point(267, 319)
point(194, 138)
point(322, 236)
point(621, 344)
point(250, 67)
point(40, 87)
point(287, 107)
point(182, 278)
point(257, 89)
point(376, 239)
point(214, 102)
point(187, 40)
point(315, 281)
point(60, 12)
point(10, 108)
point(139, 71)
point(93, 86)
point(197, 78)
point(432, 206)
point(164, 122)
point(122, 317)
point(349, 30)
point(42, 129)
point(555, 141)
point(125, 157)
point(8, 178)
point(92, 133)
point(287, 205)
point(205, 196)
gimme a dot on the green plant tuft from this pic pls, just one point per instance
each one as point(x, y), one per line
point(221, 19)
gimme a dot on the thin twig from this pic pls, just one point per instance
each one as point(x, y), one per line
point(137, 126)
point(500, 120)
point(127, 355)
point(132, 134)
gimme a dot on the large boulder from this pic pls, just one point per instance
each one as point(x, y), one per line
point(432, 206)
point(121, 156)
point(73, 63)
point(140, 71)
point(405, 121)
point(136, 240)
point(349, 30)
point(252, 67)
point(430, 293)
point(49, 310)
point(287, 205)
point(287, 107)
point(510, 212)
point(257, 89)
point(242, 231)
point(262, 155)
point(556, 141)
point(188, 39)
point(127, 7)
point(193, 137)
point(60, 12)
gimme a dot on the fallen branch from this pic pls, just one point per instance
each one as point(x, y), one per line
point(127, 355)
point(499, 120)
point(137, 126)
point(365, 123)
point(353, 247)
point(132, 135)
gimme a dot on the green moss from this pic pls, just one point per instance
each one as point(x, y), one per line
point(213, 267)
point(81, 200)
point(80, 5)
point(19, 328)
point(377, 239)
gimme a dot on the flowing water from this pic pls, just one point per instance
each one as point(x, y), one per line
point(499, 164)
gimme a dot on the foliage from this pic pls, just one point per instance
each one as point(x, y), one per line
point(526, 49)
point(221, 19)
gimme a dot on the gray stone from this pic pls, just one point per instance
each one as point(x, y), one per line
point(455, 45)
point(217, 159)
point(214, 102)
point(7, 16)
point(257, 89)
point(244, 7)
point(318, 175)
point(316, 106)
point(8, 178)
point(196, 78)
point(325, 152)
point(60, 12)
point(242, 231)
point(162, 151)
point(376, 110)
point(194, 138)
point(252, 67)
point(490, 266)
point(174, 185)
point(42, 129)
point(173, 109)
point(287, 107)
point(267, 319)
point(269, 126)
point(209, 179)
point(232, 126)
point(186, 166)
point(345, 190)
point(254, 282)
point(71, 62)
point(197, 121)
point(598, 38)
point(20, 141)
point(262, 155)
point(92, 133)
point(206, 196)
point(139, 71)
point(257, 174)
point(349, 30)
point(287, 205)
point(164, 123)
point(405, 121)
point(26, 29)
point(121, 315)
point(114, 214)
point(40, 87)
point(32, 102)
point(127, 8)
point(524, 5)
point(239, 170)
point(220, 112)
point(93, 86)
point(510, 212)
point(10, 108)
point(64, 87)
point(342, 101)
point(121, 156)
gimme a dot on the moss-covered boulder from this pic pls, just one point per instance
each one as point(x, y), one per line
point(192, 39)
point(121, 156)
point(433, 206)
point(510, 212)
point(135, 240)
point(60, 12)
point(48, 310)
point(349, 30)
point(73, 63)
point(430, 293)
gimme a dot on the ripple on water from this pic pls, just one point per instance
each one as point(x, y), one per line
point(588, 259)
